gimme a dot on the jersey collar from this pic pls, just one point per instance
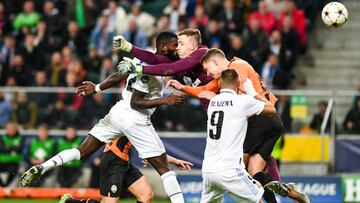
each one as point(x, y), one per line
point(227, 91)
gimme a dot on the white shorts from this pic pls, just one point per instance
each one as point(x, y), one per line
point(236, 182)
point(137, 127)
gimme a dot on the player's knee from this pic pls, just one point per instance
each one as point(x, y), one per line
point(147, 197)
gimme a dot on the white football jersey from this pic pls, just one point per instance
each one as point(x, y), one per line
point(149, 84)
point(226, 129)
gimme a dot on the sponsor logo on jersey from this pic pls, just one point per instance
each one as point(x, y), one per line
point(145, 79)
point(113, 188)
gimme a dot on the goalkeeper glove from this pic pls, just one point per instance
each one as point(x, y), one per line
point(249, 88)
point(129, 66)
point(120, 44)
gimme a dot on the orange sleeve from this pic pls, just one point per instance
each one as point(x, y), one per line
point(212, 86)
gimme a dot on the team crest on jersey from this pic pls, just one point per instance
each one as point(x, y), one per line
point(113, 188)
point(145, 79)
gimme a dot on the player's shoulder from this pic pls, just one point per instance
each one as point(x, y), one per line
point(201, 50)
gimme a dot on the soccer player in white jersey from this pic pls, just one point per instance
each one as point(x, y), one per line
point(223, 168)
point(130, 117)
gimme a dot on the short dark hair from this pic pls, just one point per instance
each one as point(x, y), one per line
point(163, 37)
point(229, 76)
point(211, 53)
point(193, 33)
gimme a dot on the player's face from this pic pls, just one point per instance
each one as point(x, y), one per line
point(169, 48)
point(186, 46)
point(212, 68)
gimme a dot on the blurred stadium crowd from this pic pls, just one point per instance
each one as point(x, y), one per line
point(60, 43)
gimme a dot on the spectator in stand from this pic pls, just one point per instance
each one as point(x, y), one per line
point(5, 22)
point(58, 117)
point(174, 10)
point(135, 36)
point(283, 110)
point(231, 17)
point(54, 21)
point(11, 147)
point(310, 8)
point(57, 71)
point(7, 54)
point(68, 57)
point(163, 24)
point(299, 21)
point(75, 39)
point(40, 149)
point(5, 110)
point(33, 53)
point(290, 44)
point(275, 43)
point(19, 71)
point(352, 119)
point(72, 101)
point(319, 117)
point(44, 101)
point(10, 82)
point(24, 111)
point(28, 18)
point(269, 70)
point(256, 42)
point(93, 61)
point(183, 23)
point(116, 14)
point(237, 49)
point(82, 74)
point(265, 17)
point(144, 20)
point(107, 68)
point(200, 17)
point(84, 13)
point(101, 37)
point(69, 173)
point(215, 36)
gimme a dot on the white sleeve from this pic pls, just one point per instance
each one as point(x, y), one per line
point(141, 84)
point(252, 105)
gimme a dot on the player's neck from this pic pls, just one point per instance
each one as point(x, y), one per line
point(225, 64)
point(228, 86)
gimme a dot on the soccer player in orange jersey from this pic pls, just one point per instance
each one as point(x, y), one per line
point(262, 132)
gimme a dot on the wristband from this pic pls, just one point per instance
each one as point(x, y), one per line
point(97, 88)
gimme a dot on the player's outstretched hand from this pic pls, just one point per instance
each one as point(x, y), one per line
point(174, 99)
point(183, 165)
point(175, 84)
point(121, 44)
point(206, 94)
point(87, 88)
point(128, 65)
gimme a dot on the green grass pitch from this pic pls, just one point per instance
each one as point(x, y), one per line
point(55, 201)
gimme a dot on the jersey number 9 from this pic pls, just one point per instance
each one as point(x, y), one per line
point(216, 120)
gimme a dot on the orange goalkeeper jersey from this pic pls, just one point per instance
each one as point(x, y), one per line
point(244, 69)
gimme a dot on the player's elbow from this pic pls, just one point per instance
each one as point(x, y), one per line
point(269, 110)
point(135, 104)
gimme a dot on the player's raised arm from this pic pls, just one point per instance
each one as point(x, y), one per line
point(138, 101)
point(89, 88)
point(212, 86)
point(121, 44)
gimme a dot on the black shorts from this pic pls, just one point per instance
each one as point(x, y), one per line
point(262, 134)
point(117, 177)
